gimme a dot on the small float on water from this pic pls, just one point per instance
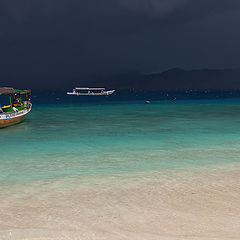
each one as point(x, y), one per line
point(90, 92)
point(19, 106)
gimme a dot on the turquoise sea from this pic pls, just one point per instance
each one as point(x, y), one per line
point(113, 168)
point(74, 140)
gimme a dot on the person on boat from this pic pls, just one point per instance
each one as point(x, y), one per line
point(17, 101)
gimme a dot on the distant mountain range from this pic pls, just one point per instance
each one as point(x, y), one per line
point(176, 79)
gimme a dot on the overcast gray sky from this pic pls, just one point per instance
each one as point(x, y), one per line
point(54, 41)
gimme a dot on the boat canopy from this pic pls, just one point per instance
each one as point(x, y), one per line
point(11, 91)
point(90, 88)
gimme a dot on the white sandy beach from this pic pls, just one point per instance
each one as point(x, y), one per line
point(193, 205)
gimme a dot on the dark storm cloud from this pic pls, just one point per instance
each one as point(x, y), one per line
point(108, 15)
point(60, 40)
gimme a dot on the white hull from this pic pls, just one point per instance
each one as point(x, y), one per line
point(12, 115)
point(92, 93)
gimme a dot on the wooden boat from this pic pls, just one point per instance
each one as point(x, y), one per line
point(18, 109)
point(90, 92)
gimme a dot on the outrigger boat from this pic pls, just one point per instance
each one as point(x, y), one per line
point(18, 109)
point(90, 92)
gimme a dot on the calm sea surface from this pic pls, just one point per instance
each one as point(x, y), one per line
point(74, 140)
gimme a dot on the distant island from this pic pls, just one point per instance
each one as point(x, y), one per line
point(175, 79)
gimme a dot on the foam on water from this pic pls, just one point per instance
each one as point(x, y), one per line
point(69, 141)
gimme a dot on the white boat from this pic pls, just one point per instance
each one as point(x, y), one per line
point(90, 92)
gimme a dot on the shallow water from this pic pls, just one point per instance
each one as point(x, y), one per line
point(122, 170)
point(86, 140)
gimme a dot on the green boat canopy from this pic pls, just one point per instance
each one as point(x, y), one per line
point(11, 91)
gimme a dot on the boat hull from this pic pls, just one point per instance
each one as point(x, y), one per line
point(10, 119)
point(104, 93)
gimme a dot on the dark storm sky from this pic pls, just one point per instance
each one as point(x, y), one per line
point(55, 42)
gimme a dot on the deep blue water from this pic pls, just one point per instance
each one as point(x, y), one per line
point(59, 97)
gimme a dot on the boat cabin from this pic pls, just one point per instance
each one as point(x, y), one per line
point(89, 90)
point(13, 100)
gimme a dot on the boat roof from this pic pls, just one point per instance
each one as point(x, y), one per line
point(86, 88)
point(9, 90)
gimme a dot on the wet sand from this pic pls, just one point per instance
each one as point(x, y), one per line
point(169, 205)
